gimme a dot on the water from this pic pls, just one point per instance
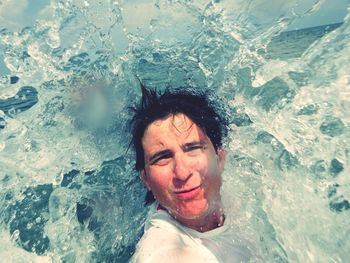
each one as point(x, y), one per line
point(68, 72)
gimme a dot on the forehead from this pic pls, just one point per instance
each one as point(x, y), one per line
point(175, 127)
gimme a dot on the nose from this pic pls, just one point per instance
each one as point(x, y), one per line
point(182, 170)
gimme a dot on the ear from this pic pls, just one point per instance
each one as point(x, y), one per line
point(144, 180)
point(221, 158)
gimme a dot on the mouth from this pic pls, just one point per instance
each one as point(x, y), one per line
point(188, 194)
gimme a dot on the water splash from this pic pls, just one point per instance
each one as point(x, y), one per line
point(69, 191)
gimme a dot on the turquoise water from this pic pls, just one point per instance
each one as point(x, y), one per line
point(68, 72)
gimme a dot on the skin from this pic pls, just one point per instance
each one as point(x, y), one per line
point(183, 171)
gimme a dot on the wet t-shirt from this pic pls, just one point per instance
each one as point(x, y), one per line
point(166, 240)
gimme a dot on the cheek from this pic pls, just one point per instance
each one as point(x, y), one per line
point(158, 179)
point(202, 165)
point(211, 167)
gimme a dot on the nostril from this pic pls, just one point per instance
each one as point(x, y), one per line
point(182, 178)
point(182, 173)
point(180, 183)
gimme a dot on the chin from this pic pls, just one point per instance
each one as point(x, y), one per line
point(194, 211)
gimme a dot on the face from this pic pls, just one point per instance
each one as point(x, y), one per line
point(182, 168)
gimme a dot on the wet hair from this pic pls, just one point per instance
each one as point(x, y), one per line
point(195, 104)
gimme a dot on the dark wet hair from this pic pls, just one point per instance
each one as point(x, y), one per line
point(193, 103)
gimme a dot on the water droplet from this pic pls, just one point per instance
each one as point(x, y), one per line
point(2, 123)
point(332, 126)
point(336, 167)
point(14, 79)
point(15, 235)
point(339, 204)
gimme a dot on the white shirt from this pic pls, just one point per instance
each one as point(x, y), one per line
point(166, 240)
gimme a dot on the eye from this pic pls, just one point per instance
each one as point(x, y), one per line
point(161, 160)
point(194, 149)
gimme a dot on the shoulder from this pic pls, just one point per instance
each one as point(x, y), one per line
point(157, 244)
point(165, 241)
point(160, 237)
point(160, 245)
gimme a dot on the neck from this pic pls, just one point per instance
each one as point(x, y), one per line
point(214, 219)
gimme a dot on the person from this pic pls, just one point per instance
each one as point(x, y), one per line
point(178, 140)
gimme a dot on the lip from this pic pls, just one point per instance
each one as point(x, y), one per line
point(188, 194)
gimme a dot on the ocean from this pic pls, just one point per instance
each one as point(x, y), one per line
point(69, 191)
